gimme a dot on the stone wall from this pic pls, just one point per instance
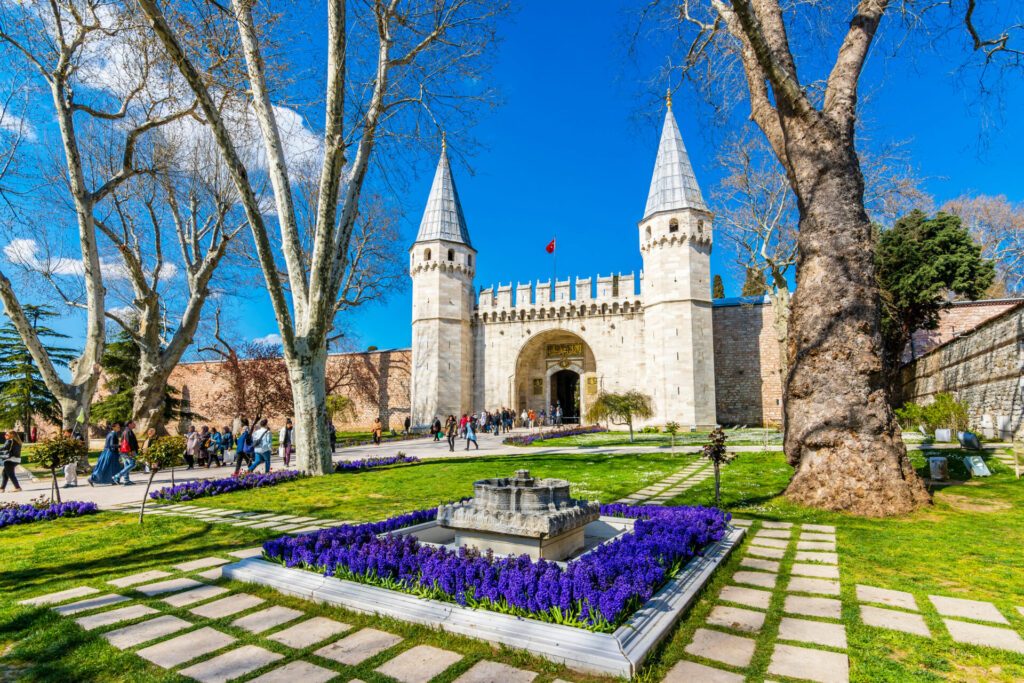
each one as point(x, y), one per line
point(955, 321)
point(984, 368)
point(748, 389)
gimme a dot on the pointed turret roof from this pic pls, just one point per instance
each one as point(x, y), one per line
point(443, 219)
point(673, 185)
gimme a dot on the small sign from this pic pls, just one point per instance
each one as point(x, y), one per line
point(591, 386)
point(538, 386)
point(977, 466)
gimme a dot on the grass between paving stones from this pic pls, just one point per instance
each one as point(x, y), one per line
point(375, 494)
point(37, 644)
point(751, 436)
point(967, 544)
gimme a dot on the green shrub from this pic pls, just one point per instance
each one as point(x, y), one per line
point(944, 412)
point(650, 430)
point(56, 452)
point(164, 452)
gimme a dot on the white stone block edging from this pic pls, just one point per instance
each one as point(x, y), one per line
point(620, 653)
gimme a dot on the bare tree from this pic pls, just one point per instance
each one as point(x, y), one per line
point(998, 226)
point(841, 436)
point(64, 43)
point(389, 63)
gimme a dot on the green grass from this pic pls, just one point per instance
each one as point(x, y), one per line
point(379, 493)
point(736, 437)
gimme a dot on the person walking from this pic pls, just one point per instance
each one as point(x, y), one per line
point(108, 464)
point(451, 430)
point(10, 456)
point(129, 449)
point(332, 434)
point(377, 428)
point(407, 423)
point(435, 427)
point(71, 469)
point(262, 443)
point(284, 442)
point(225, 445)
point(244, 447)
point(471, 434)
point(191, 447)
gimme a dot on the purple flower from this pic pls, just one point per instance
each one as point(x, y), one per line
point(25, 514)
point(202, 488)
point(527, 439)
point(370, 463)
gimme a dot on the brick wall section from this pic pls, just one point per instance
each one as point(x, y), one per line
point(387, 397)
point(747, 386)
point(983, 369)
point(963, 317)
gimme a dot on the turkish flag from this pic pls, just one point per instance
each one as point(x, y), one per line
point(551, 247)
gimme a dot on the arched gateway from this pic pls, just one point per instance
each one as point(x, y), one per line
point(556, 368)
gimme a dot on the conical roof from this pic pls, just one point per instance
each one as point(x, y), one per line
point(443, 219)
point(673, 185)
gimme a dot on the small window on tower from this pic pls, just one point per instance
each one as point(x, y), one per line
point(673, 225)
point(700, 227)
point(469, 260)
point(426, 254)
point(451, 254)
point(648, 232)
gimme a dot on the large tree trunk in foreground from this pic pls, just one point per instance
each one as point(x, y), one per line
point(150, 396)
point(308, 373)
point(840, 432)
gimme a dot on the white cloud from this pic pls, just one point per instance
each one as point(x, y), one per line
point(272, 339)
point(17, 125)
point(27, 253)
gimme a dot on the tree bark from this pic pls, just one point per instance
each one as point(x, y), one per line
point(840, 432)
point(308, 373)
point(149, 396)
point(145, 495)
point(780, 323)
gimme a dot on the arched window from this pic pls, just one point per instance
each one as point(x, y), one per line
point(648, 232)
point(700, 227)
point(426, 254)
point(673, 225)
point(469, 260)
point(451, 254)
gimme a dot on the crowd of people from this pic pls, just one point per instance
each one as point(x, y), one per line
point(500, 421)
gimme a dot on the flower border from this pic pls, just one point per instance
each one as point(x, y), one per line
point(27, 514)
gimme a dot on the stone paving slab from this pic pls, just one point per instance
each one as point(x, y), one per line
point(61, 596)
point(831, 538)
point(968, 609)
point(211, 574)
point(770, 543)
point(764, 565)
point(233, 604)
point(760, 579)
point(171, 653)
point(827, 528)
point(141, 577)
point(692, 672)
point(143, 632)
point(266, 619)
point(741, 522)
point(90, 603)
point(307, 529)
point(885, 596)
point(813, 607)
point(736, 618)
point(247, 553)
point(808, 664)
point(297, 672)
point(264, 525)
point(818, 571)
point(230, 665)
point(114, 616)
point(751, 597)
point(722, 647)
point(777, 525)
point(894, 620)
point(204, 592)
point(774, 553)
point(773, 533)
point(169, 586)
point(987, 636)
point(823, 558)
point(419, 664)
point(306, 633)
point(800, 584)
point(816, 545)
point(359, 646)
point(492, 672)
point(201, 563)
point(816, 632)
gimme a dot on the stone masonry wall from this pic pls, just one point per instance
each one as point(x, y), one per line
point(984, 368)
point(748, 389)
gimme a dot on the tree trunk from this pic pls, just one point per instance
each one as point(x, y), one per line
point(150, 394)
point(145, 496)
point(630, 423)
point(780, 322)
point(840, 433)
point(70, 409)
point(308, 374)
point(56, 488)
point(718, 485)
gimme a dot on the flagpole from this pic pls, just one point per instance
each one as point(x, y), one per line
point(554, 266)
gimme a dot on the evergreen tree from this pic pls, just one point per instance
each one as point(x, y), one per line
point(23, 394)
point(718, 288)
point(755, 283)
point(121, 371)
point(919, 262)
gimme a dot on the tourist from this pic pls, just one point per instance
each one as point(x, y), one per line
point(285, 442)
point(377, 428)
point(108, 464)
point(462, 425)
point(191, 447)
point(262, 443)
point(225, 443)
point(71, 469)
point(407, 423)
point(471, 434)
point(332, 434)
point(435, 427)
point(524, 418)
point(558, 414)
point(129, 449)
point(10, 455)
point(451, 431)
point(244, 452)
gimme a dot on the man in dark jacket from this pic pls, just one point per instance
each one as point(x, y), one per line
point(129, 453)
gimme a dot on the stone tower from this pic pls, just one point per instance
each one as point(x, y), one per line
point(441, 264)
point(675, 242)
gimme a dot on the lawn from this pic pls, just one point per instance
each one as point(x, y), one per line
point(748, 436)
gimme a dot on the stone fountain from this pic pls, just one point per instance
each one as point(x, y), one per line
point(521, 515)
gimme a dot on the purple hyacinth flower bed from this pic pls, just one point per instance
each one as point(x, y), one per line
point(527, 439)
point(203, 488)
point(370, 463)
point(597, 591)
point(26, 514)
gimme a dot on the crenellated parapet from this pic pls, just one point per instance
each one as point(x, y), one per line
point(615, 294)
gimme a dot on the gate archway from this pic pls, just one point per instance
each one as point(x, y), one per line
point(554, 369)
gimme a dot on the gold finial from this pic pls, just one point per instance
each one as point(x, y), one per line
point(668, 97)
point(444, 142)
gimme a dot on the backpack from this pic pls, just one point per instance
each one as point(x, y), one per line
point(245, 443)
point(124, 446)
